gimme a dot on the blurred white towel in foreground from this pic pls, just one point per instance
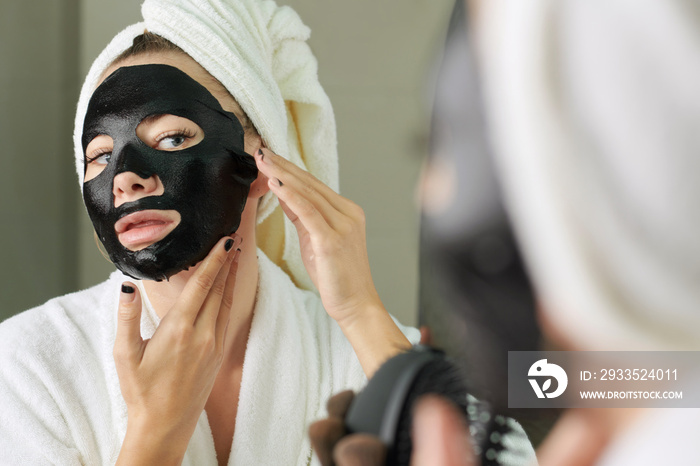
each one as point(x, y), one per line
point(595, 115)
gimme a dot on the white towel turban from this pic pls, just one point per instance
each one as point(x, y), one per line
point(595, 115)
point(258, 51)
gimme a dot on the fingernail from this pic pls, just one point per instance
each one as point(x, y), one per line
point(279, 181)
point(127, 294)
point(236, 255)
point(228, 244)
point(260, 153)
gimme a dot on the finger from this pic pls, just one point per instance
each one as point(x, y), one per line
point(301, 230)
point(198, 286)
point(339, 403)
point(274, 166)
point(439, 434)
point(211, 307)
point(324, 434)
point(224, 316)
point(128, 341)
point(330, 213)
point(359, 450)
point(301, 212)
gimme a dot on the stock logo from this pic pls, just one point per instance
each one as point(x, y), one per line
point(542, 370)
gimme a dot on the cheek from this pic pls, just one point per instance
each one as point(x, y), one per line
point(97, 195)
point(93, 170)
point(199, 181)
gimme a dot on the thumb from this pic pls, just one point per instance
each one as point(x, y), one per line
point(128, 340)
point(440, 435)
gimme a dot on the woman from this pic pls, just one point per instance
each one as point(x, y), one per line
point(227, 360)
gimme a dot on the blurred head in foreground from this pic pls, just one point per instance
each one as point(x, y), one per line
point(569, 132)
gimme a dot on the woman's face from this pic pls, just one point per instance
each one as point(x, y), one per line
point(166, 174)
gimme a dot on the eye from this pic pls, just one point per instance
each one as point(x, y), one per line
point(173, 140)
point(97, 155)
point(101, 158)
point(168, 132)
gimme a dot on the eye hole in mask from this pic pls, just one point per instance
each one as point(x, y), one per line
point(162, 132)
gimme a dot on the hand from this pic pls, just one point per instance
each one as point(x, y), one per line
point(334, 251)
point(439, 435)
point(331, 232)
point(333, 447)
point(167, 379)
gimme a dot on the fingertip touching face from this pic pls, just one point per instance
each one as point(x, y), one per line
point(166, 174)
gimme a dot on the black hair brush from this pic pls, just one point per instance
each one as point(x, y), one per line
point(385, 407)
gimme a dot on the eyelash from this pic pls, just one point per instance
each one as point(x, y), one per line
point(184, 132)
point(97, 154)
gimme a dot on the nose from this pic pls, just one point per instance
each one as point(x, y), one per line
point(128, 187)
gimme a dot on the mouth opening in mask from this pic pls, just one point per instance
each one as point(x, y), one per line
point(140, 229)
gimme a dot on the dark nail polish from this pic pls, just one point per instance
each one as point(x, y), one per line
point(280, 182)
point(237, 255)
point(127, 289)
point(228, 244)
point(260, 153)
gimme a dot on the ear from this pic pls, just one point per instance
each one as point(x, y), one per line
point(259, 187)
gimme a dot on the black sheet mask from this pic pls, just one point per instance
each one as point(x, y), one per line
point(207, 183)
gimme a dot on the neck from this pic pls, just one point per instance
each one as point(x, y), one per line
point(163, 296)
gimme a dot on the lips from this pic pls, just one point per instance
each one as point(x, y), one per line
point(141, 229)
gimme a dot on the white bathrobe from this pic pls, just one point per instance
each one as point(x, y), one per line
point(60, 401)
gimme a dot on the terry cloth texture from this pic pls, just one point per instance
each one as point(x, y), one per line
point(594, 112)
point(258, 51)
point(61, 402)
